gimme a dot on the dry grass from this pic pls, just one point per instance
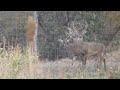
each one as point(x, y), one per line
point(16, 65)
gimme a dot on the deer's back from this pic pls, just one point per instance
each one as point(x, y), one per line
point(93, 48)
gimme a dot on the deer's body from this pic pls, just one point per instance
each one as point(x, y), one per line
point(85, 50)
point(78, 47)
point(92, 49)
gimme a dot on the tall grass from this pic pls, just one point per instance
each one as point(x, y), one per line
point(15, 64)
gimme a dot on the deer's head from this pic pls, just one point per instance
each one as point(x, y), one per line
point(76, 31)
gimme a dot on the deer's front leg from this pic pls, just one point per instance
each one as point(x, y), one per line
point(83, 59)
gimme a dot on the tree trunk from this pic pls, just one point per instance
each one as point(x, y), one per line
point(36, 31)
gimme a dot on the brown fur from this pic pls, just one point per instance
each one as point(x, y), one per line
point(30, 29)
point(83, 50)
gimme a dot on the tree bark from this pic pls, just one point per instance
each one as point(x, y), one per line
point(36, 31)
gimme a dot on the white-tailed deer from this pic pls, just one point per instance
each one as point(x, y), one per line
point(91, 49)
point(83, 50)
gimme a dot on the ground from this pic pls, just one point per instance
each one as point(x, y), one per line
point(16, 65)
point(64, 69)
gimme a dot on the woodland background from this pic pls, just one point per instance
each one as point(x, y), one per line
point(104, 27)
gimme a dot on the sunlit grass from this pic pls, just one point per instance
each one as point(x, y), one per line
point(14, 64)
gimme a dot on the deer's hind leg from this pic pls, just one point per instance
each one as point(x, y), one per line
point(96, 63)
point(102, 59)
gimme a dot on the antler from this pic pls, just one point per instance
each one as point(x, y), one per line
point(77, 29)
point(80, 26)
